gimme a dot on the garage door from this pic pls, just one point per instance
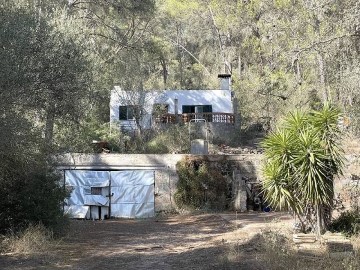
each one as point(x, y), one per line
point(89, 193)
point(132, 194)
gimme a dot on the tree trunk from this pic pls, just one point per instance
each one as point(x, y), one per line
point(239, 65)
point(164, 71)
point(321, 64)
point(49, 125)
point(319, 221)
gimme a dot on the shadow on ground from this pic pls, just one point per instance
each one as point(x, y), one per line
point(207, 241)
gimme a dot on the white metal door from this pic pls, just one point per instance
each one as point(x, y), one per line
point(89, 192)
point(132, 194)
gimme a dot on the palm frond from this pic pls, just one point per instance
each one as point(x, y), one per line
point(302, 159)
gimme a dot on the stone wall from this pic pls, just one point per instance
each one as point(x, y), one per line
point(349, 182)
point(237, 167)
point(244, 171)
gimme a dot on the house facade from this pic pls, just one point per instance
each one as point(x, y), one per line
point(145, 109)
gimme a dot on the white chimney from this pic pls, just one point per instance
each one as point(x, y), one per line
point(225, 81)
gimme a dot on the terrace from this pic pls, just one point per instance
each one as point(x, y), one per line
point(213, 117)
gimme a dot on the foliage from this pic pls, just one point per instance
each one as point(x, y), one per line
point(44, 73)
point(41, 72)
point(348, 223)
point(302, 158)
point(199, 185)
point(281, 54)
point(85, 134)
point(31, 193)
point(174, 139)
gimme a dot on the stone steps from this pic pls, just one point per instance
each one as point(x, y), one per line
point(335, 244)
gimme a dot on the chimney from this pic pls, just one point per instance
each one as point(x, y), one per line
point(225, 81)
point(176, 104)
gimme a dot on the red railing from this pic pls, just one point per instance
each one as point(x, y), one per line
point(165, 118)
point(186, 117)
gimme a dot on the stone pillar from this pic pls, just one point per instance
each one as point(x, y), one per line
point(240, 195)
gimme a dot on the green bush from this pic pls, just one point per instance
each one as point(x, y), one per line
point(173, 139)
point(31, 193)
point(348, 223)
point(199, 185)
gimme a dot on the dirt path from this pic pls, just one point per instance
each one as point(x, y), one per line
point(175, 242)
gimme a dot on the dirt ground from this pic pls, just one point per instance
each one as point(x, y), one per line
point(202, 241)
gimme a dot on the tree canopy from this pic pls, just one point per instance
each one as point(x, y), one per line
point(281, 54)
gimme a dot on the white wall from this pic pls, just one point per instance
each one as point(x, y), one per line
point(219, 99)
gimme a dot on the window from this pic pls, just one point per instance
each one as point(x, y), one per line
point(92, 190)
point(197, 108)
point(199, 112)
point(95, 190)
point(127, 112)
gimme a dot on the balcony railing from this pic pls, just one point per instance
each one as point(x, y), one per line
point(186, 117)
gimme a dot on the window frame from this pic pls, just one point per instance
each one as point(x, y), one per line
point(127, 112)
point(192, 108)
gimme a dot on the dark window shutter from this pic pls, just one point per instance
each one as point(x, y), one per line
point(207, 109)
point(186, 109)
point(131, 112)
point(122, 113)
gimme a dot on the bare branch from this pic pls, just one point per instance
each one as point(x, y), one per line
point(193, 56)
point(326, 41)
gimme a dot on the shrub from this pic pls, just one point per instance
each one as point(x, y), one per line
point(199, 185)
point(31, 193)
point(174, 139)
point(348, 223)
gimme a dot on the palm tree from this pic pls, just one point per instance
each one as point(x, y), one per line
point(302, 158)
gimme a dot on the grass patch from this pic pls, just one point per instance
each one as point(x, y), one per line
point(274, 249)
point(34, 239)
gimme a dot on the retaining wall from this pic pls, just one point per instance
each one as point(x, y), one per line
point(242, 169)
point(236, 166)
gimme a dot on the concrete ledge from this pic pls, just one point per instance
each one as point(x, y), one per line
point(141, 161)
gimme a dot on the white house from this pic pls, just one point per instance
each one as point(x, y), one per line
point(132, 109)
